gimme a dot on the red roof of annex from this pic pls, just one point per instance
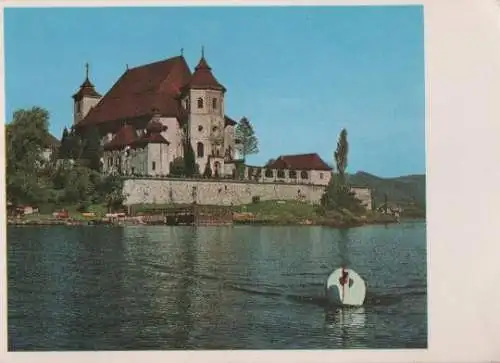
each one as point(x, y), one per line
point(299, 162)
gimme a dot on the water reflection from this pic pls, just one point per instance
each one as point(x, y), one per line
point(183, 291)
point(346, 325)
point(343, 244)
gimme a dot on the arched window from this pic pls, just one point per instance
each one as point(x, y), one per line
point(214, 103)
point(268, 173)
point(304, 174)
point(200, 128)
point(292, 174)
point(199, 102)
point(281, 174)
point(199, 150)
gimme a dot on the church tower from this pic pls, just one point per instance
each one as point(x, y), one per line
point(204, 101)
point(86, 98)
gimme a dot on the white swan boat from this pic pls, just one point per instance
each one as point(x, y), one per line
point(344, 287)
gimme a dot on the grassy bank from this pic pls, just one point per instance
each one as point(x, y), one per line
point(302, 213)
point(45, 215)
point(262, 213)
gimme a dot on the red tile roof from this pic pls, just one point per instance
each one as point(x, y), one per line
point(150, 138)
point(299, 162)
point(86, 89)
point(203, 78)
point(125, 136)
point(141, 90)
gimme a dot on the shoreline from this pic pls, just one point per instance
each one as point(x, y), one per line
point(135, 221)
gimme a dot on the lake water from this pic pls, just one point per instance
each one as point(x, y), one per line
point(240, 287)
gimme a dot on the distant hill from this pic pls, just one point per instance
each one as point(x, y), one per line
point(401, 190)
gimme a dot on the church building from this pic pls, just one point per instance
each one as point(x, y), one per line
point(146, 116)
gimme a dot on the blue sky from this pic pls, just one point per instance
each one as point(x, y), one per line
point(300, 74)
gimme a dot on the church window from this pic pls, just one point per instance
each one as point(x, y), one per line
point(214, 129)
point(199, 101)
point(78, 106)
point(199, 150)
point(214, 103)
point(268, 173)
point(321, 175)
point(281, 174)
point(303, 174)
point(292, 174)
point(153, 165)
point(200, 128)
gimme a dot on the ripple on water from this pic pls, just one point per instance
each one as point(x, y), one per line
point(239, 287)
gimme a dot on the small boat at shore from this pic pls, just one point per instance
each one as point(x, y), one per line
point(344, 287)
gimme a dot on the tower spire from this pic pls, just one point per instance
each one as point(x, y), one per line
point(203, 51)
point(87, 70)
point(182, 51)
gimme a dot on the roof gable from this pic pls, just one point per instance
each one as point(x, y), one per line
point(299, 162)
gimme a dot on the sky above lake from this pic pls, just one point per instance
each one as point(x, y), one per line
point(300, 74)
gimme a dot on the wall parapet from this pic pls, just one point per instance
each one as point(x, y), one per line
point(217, 180)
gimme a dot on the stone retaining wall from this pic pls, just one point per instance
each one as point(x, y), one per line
point(214, 192)
point(222, 192)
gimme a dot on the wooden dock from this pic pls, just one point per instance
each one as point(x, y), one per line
point(197, 215)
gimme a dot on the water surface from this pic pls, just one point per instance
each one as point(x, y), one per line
point(240, 287)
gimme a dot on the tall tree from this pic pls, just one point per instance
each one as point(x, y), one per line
point(177, 167)
point(208, 169)
point(65, 147)
point(341, 155)
point(338, 194)
point(246, 135)
point(190, 166)
point(75, 145)
point(26, 138)
point(92, 149)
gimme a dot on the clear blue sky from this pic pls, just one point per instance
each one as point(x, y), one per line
point(300, 74)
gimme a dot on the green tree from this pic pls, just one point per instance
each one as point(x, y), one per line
point(246, 135)
point(340, 155)
point(111, 192)
point(338, 194)
point(177, 167)
point(65, 147)
point(92, 149)
point(190, 166)
point(79, 186)
point(26, 138)
point(75, 145)
point(208, 170)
